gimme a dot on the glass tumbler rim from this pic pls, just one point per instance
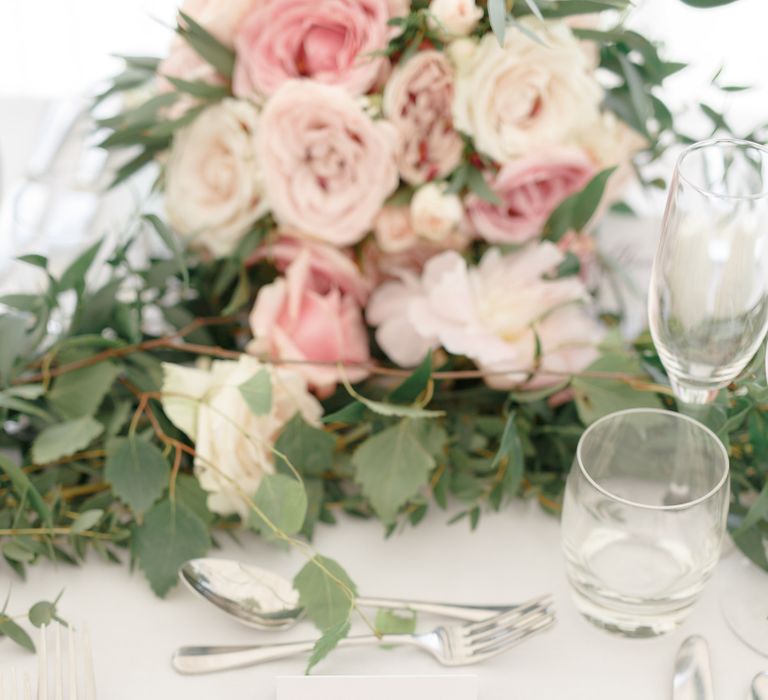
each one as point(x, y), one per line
point(647, 506)
point(719, 141)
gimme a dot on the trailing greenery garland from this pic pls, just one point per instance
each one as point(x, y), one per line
point(91, 460)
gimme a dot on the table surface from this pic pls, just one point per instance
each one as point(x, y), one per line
point(513, 555)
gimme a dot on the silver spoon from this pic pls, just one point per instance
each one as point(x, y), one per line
point(267, 601)
point(759, 689)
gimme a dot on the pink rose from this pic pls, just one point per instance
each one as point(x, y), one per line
point(329, 267)
point(504, 314)
point(292, 321)
point(417, 100)
point(331, 41)
point(220, 17)
point(530, 189)
point(330, 165)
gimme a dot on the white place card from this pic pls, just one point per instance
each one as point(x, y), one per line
point(444, 687)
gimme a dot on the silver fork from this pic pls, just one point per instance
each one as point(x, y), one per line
point(10, 690)
point(451, 645)
point(80, 680)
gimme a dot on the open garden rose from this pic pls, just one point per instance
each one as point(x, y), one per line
point(515, 99)
point(330, 165)
point(491, 313)
point(455, 17)
point(529, 189)
point(294, 321)
point(329, 267)
point(331, 41)
point(214, 185)
point(393, 229)
point(417, 100)
point(233, 445)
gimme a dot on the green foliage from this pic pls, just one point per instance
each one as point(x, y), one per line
point(65, 438)
point(327, 643)
point(281, 504)
point(170, 535)
point(137, 471)
point(257, 392)
point(395, 622)
point(326, 592)
point(392, 467)
point(307, 449)
point(80, 392)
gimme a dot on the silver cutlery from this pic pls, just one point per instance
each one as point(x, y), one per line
point(693, 673)
point(9, 688)
point(267, 601)
point(451, 645)
point(78, 678)
point(759, 688)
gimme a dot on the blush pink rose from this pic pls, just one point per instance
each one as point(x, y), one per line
point(393, 230)
point(292, 321)
point(330, 41)
point(329, 267)
point(530, 189)
point(417, 100)
point(330, 165)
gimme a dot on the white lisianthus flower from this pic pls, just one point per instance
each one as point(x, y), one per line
point(435, 214)
point(455, 17)
point(515, 99)
point(233, 445)
point(214, 181)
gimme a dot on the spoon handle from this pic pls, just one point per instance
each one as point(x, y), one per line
point(472, 613)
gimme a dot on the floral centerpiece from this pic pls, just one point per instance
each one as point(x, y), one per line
point(379, 219)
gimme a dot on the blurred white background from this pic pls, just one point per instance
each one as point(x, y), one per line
point(59, 47)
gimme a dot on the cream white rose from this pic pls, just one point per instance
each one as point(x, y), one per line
point(454, 17)
point(234, 446)
point(519, 97)
point(214, 182)
point(435, 215)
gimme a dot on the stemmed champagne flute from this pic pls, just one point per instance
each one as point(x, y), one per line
point(708, 302)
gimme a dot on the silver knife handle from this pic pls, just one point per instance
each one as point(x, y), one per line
point(471, 613)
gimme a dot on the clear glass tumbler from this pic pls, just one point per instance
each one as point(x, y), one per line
point(643, 519)
point(708, 299)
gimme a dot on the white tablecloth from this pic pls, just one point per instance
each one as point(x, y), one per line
point(513, 555)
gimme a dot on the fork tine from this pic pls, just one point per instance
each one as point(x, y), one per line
point(541, 602)
point(58, 666)
point(42, 666)
point(507, 626)
point(501, 644)
point(72, 663)
point(27, 687)
point(87, 654)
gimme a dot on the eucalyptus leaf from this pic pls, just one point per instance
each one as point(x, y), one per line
point(85, 521)
point(80, 392)
point(171, 242)
point(309, 450)
point(326, 592)
point(13, 631)
point(13, 334)
point(510, 450)
point(497, 14)
point(282, 500)
point(25, 489)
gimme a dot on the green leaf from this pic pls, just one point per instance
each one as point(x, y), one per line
point(200, 89)
point(497, 14)
point(476, 182)
point(13, 631)
point(65, 438)
point(283, 502)
point(327, 643)
point(207, 46)
point(353, 412)
point(708, 3)
point(511, 450)
point(588, 200)
point(17, 552)
point(754, 543)
point(85, 521)
point(534, 8)
point(326, 592)
point(137, 471)
point(257, 392)
point(388, 409)
point(410, 389)
point(25, 489)
point(309, 450)
point(42, 613)
point(757, 512)
point(395, 622)
point(74, 276)
point(81, 391)
point(596, 398)
point(13, 334)
point(35, 260)
point(14, 403)
point(242, 294)
point(190, 493)
point(170, 535)
point(392, 467)
point(638, 91)
point(172, 243)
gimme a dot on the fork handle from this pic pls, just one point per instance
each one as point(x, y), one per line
point(198, 660)
point(471, 613)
